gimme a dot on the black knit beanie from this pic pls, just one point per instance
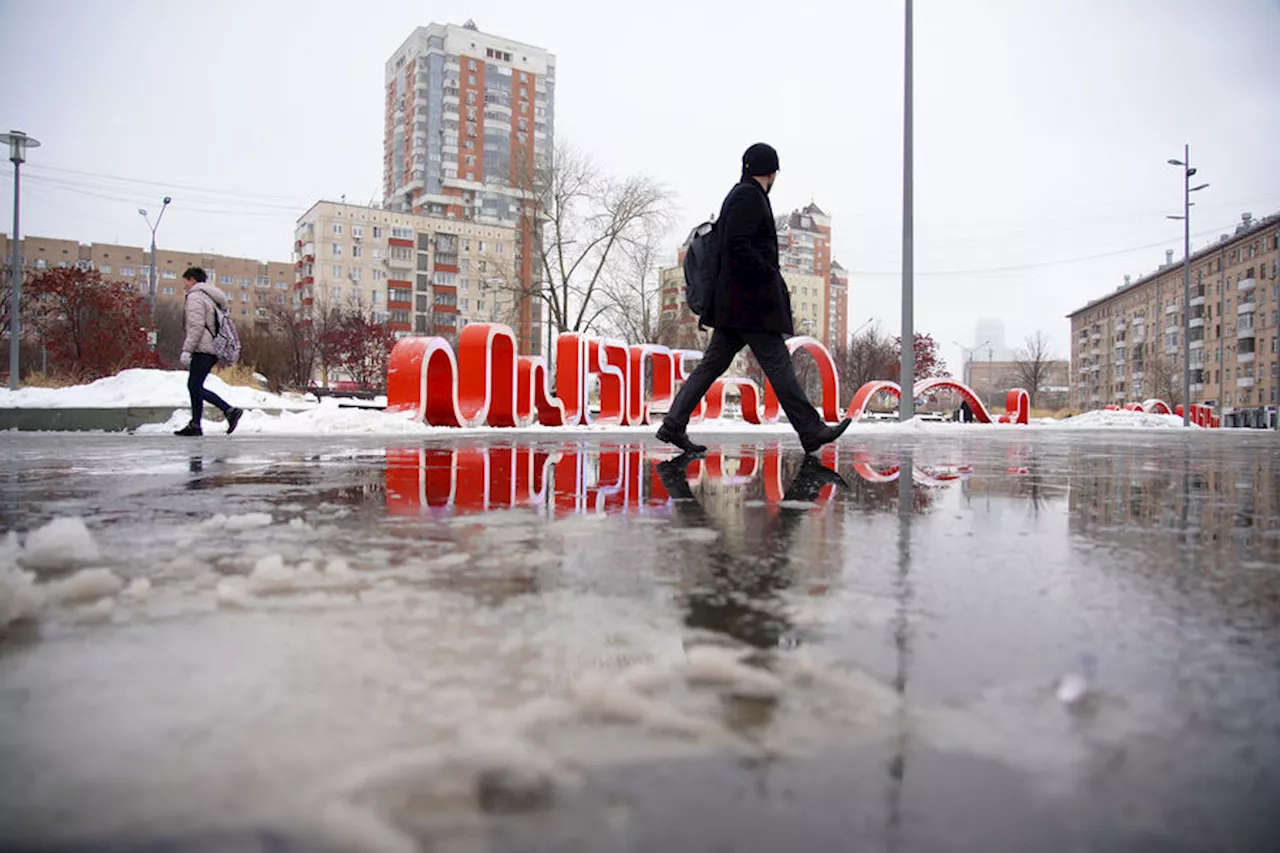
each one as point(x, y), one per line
point(760, 159)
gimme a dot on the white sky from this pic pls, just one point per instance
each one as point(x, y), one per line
point(1042, 126)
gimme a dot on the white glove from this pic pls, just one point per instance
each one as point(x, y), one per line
point(185, 359)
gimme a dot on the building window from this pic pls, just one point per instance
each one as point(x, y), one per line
point(168, 290)
point(264, 281)
point(357, 232)
point(357, 251)
point(105, 269)
point(357, 273)
point(281, 285)
point(244, 297)
point(169, 275)
point(377, 233)
point(337, 250)
point(124, 271)
point(401, 233)
point(336, 270)
point(337, 228)
point(244, 282)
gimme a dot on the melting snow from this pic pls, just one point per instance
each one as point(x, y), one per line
point(61, 544)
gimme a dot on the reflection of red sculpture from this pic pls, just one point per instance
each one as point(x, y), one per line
point(1018, 402)
point(574, 479)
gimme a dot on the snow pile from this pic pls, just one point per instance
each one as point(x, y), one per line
point(237, 523)
point(20, 598)
point(61, 544)
point(139, 388)
point(270, 576)
point(1121, 420)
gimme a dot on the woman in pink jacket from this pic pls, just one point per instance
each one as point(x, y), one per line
point(203, 300)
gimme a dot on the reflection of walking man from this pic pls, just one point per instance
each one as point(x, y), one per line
point(749, 308)
point(740, 599)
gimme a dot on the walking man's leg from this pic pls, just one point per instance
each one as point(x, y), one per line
point(715, 361)
point(201, 365)
point(775, 360)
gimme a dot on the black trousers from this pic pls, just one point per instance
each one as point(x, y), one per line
point(771, 351)
point(201, 364)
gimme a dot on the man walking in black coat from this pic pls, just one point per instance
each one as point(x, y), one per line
point(750, 307)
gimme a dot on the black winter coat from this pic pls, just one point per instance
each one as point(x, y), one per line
point(750, 294)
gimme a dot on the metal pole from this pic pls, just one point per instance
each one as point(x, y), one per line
point(15, 279)
point(907, 400)
point(1186, 286)
point(151, 293)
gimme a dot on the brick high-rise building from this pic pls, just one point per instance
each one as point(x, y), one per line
point(469, 119)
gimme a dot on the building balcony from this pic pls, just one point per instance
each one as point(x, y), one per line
point(1095, 352)
point(1246, 357)
point(399, 263)
point(1171, 349)
point(1243, 333)
point(1120, 395)
point(1245, 382)
point(1139, 337)
point(1197, 386)
point(1172, 329)
point(1246, 307)
point(1197, 322)
point(1247, 285)
point(1197, 297)
point(1170, 309)
point(1198, 343)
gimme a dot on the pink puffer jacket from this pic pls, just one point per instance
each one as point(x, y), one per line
point(201, 301)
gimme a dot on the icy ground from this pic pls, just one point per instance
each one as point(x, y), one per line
point(1042, 640)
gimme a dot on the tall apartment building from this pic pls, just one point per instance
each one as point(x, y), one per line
point(469, 117)
point(1127, 346)
point(254, 287)
point(819, 286)
point(424, 275)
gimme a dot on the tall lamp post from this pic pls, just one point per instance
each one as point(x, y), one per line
point(151, 287)
point(907, 368)
point(1187, 172)
point(18, 143)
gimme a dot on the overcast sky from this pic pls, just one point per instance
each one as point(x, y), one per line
point(1042, 126)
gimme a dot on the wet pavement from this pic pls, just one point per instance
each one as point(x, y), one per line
point(950, 640)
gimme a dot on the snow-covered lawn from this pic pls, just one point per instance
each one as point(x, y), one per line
point(141, 388)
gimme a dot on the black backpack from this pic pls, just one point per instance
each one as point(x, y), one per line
point(701, 267)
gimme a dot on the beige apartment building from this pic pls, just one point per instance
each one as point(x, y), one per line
point(254, 287)
point(992, 381)
point(1127, 346)
point(421, 275)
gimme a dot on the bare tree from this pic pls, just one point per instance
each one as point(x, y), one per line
point(632, 289)
point(1165, 375)
point(588, 220)
point(871, 355)
point(1033, 364)
point(170, 322)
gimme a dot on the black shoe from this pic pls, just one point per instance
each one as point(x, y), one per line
point(674, 474)
point(233, 418)
point(826, 435)
point(680, 439)
point(190, 429)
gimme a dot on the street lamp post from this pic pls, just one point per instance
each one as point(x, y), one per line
point(151, 287)
point(18, 143)
point(907, 368)
point(1187, 172)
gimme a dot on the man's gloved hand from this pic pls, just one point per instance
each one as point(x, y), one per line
point(186, 359)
